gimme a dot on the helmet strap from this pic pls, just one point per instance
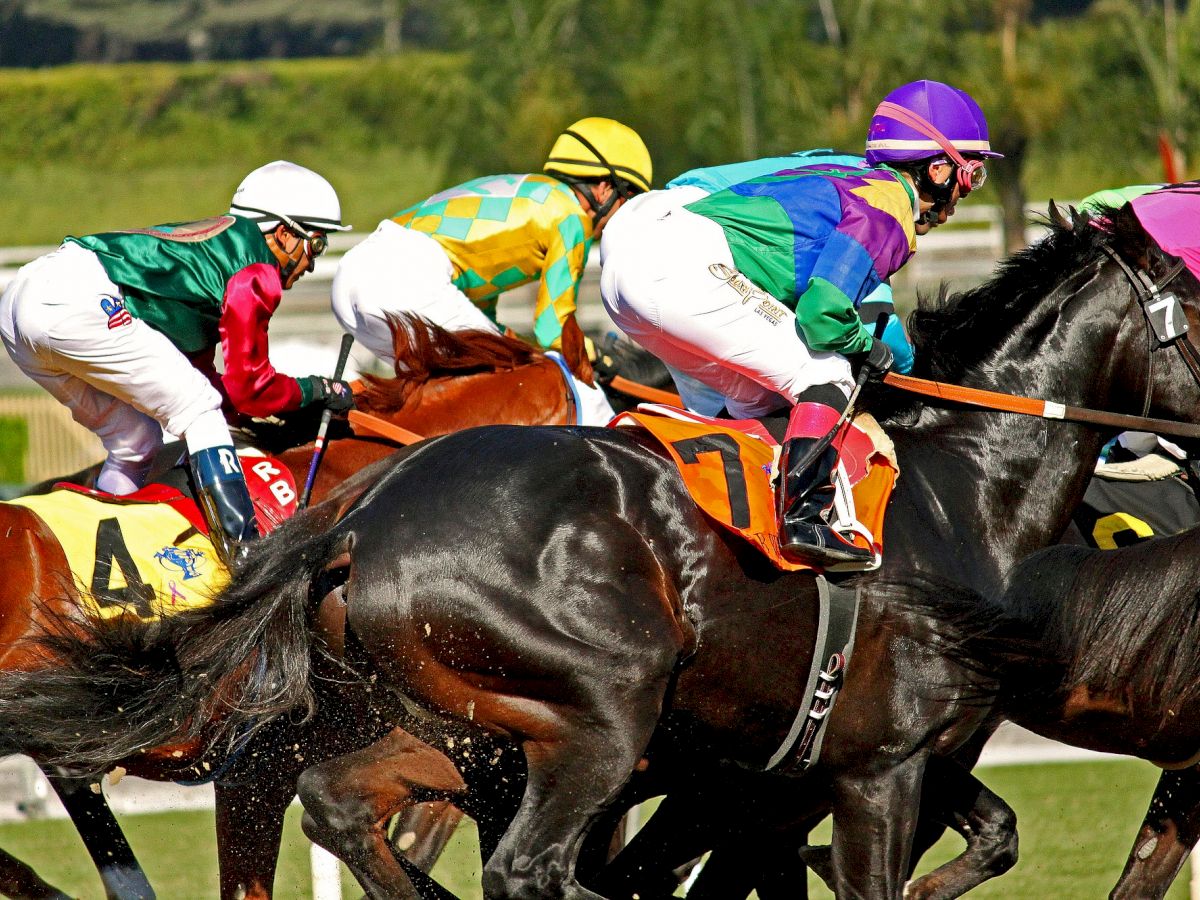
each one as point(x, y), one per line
point(941, 194)
point(288, 262)
point(964, 168)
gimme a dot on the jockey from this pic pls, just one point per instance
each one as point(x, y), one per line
point(451, 256)
point(122, 328)
point(697, 183)
point(754, 289)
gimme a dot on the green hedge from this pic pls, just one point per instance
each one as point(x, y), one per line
point(92, 147)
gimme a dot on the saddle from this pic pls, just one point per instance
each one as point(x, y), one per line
point(148, 553)
point(728, 467)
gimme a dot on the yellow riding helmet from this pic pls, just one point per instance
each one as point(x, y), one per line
point(597, 147)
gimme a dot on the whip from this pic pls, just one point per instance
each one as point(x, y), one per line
point(326, 416)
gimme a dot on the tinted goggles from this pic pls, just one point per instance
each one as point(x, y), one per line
point(315, 242)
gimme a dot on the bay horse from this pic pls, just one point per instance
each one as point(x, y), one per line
point(444, 380)
point(569, 598)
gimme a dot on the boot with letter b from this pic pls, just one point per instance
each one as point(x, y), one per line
point(806, 493)
point(225, 501)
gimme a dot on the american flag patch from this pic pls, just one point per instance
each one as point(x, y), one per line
point(115, 309)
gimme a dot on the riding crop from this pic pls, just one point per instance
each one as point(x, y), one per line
point(326, 416)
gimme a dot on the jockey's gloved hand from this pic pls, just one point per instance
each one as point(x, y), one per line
point(877, 361)
point(604, 362)
point(902, 349)
point(329, 392)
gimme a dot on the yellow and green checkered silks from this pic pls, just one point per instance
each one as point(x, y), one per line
point(502, 231)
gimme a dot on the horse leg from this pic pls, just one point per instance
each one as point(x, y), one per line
point(1168, 833)
point(679, 831)
point(874, 817)
point(119, 870)
point(574, 774)
point(422, 831)
point(349, 799)
point(953, 796)
point(768, 864)
point(20, 882)
point(249, 828)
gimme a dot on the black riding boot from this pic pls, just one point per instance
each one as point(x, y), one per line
point(225, 501)
point(806, 494)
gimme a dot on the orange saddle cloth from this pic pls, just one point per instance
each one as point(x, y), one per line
point(727, 466)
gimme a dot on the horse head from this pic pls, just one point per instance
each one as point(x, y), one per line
point(1073, 318)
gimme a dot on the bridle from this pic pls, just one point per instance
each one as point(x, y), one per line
point(1162, 314)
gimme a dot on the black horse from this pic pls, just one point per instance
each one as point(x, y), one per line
point(1112, 663)
point(556, 588)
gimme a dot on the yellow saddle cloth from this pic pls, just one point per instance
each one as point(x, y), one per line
point(143, 559)
point(728, 472)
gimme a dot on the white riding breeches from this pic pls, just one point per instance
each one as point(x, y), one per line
point(670, 283)
point(121, 379)
point(396, 270)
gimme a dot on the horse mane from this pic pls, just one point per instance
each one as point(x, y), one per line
point(956, 334)
point(425, 351)
point(1123, 622)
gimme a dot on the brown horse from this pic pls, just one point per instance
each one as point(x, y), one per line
point(446, 380)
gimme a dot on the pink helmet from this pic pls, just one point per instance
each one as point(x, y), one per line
point(923, 119)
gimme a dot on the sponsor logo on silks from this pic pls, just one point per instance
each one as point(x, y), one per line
point(114, 308)
point(184, 559)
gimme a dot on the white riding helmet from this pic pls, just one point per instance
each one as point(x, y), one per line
point(282, 191)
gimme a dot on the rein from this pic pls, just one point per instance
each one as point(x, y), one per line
point(361, 422)
point(644, 391)
point(1159, 309)
point(1031, 406)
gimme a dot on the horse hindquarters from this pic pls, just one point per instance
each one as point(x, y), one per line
point(559, 631)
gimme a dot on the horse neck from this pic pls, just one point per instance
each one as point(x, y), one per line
point(1011, 482)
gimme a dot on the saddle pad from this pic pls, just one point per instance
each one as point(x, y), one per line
point(728, 474)
point(148, 553)
point(132, 558)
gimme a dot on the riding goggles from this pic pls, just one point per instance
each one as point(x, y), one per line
point(971, 174)
point(315, 242)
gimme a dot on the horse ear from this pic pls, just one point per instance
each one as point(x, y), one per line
point(1057, 217)
point(574, 351)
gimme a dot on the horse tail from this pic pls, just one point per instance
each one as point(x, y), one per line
point(109, 689)
point(992, 649)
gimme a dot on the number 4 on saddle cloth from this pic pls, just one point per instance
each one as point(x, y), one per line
point(728, 466)
point(148, 553)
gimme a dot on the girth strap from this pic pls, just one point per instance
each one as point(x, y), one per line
point(836, 620)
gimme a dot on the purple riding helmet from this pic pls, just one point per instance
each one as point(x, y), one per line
point(924, 119)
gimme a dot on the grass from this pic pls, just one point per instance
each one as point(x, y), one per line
point(1077, 821)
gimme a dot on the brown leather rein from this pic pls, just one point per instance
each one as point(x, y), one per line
point(1147, 293)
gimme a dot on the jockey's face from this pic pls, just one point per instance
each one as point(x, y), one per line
point(293, 253)
point(936, 210)
point(602, 191)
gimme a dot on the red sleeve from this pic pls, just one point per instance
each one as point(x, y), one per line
point(254, 387)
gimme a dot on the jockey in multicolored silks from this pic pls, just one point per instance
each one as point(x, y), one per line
point(697, 183)
point(122, 328)
point(451, 256)
point(753, 290)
